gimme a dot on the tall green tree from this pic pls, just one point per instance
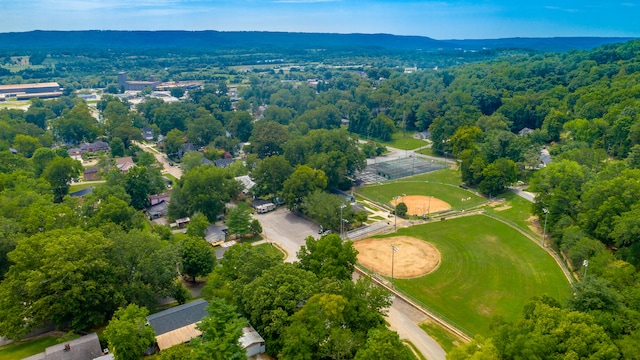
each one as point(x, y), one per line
point(497, 176)
point(60, 276)
point(383, 344)
point(128, 334)
point(271, 174)
point(138, 186)
point(204, 189)
point(328, 257)
point(59, 173)
point(198, 225)
point(221, 331)
point(197, 258)
point(318, 330)
point(270, 299)
point(303, 182)
point(238, 220)
point(173, 142)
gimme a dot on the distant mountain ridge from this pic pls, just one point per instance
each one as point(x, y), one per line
point(218, 40)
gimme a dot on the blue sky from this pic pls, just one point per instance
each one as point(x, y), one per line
point(446, 19)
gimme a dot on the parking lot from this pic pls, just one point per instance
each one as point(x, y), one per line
point(287, 230)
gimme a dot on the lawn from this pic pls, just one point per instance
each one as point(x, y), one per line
point(271, 249)
point(515, 210)
point(404, 141)
point(488, 269)
point(452, 194)
point(446, 176)
point(23, 349)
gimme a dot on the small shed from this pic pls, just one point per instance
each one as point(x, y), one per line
point(252, 342)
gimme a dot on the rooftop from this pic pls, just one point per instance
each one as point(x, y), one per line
point(178, 317)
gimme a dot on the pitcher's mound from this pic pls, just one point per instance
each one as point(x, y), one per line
point(414, 257)
point(421, 205)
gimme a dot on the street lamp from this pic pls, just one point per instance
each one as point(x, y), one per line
point(544, 231)
point(394, 250)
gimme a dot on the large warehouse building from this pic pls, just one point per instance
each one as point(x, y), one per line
point(28, 91)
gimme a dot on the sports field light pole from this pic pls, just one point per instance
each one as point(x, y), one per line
point(394, 250)
point(345, 230)
point(544, 231)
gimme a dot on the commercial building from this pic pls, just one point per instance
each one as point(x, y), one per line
point(27, 91)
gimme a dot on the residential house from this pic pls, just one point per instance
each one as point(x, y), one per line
point(177, 325)
point(158, 210)
point(124, 164)
point(95, 147)
point(247, 183)
point(186, 147)
point(83, 348)
point(75, 153)
point(147, 133)
point(216, 234)
point(223, 163)
point(91, 173)
point(82, 193)
point(158, 198)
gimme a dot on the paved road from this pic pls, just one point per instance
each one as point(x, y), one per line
point(162, 159)
point(524, 194)
point(287, 229)
point(403, 319)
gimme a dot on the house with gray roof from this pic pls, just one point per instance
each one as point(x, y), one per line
point(83, 348)
point(178, 325)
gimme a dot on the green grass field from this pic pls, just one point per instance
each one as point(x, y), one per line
point(404, 141)
point(451, 194)
point(23, 349)
point(487, 269)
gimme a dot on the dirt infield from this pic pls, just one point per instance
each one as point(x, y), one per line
point(414, 257)
point(421, 205)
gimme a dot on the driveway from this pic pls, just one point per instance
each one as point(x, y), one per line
point(287, 229)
